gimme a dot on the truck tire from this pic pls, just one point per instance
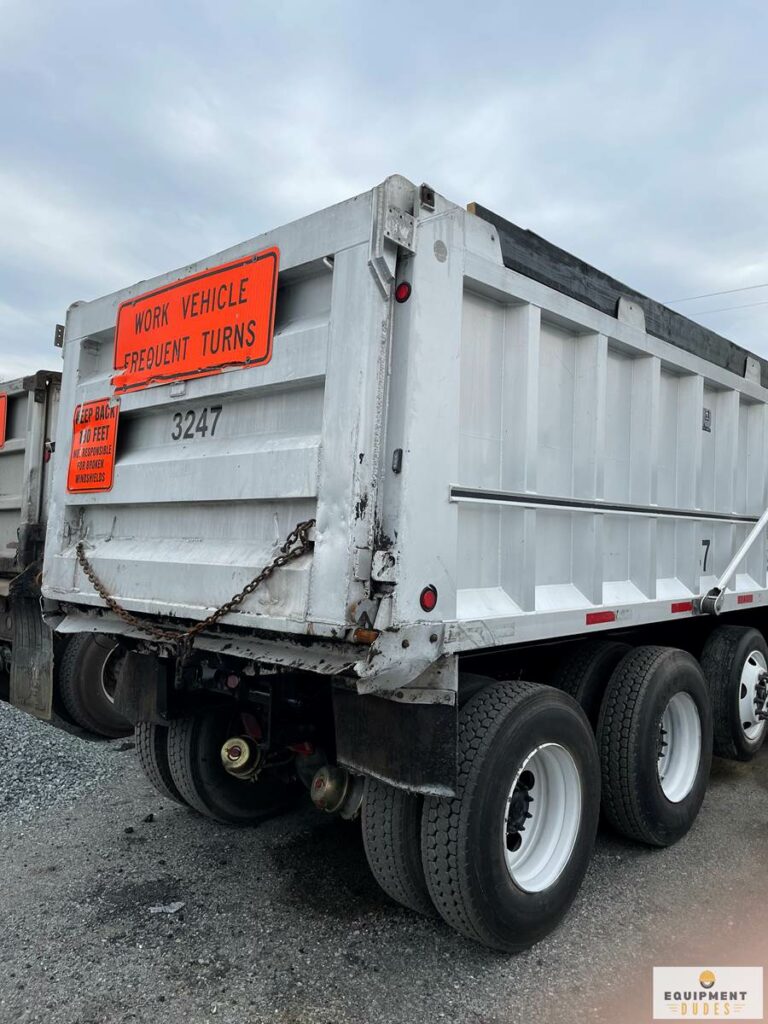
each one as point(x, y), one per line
point(86, 685)
point(732, 660)
point(471, 683)
point(655, 740)
point(584, 673)
point(152, 750)
point(194, 757)
point(505, 857)
point(391, 820)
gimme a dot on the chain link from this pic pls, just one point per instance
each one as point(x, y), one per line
point(297, 543)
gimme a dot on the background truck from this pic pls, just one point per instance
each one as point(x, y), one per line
point(403, 502)
point(75, 689)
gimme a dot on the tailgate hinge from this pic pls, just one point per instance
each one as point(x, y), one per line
point(390, 225)
point(384, 567)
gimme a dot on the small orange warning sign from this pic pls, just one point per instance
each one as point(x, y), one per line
point(94, 442)
point(199, 325)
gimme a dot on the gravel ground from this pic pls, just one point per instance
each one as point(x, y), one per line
point(40, 765)
point(284, 923)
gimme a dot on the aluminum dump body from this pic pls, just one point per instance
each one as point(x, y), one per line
point(553, 454)
point(28, 412)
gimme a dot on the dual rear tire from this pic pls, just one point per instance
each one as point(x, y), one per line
point(391, 820)
point(502, 861)
point(654, 732)
point(87, 679)
point(734, 661)
point(585, 671)
point(182, 761)
point(661, 716)
point(651, 710)
point(152, 751)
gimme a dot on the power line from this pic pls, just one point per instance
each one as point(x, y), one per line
point(710, 295)
point(725, 309)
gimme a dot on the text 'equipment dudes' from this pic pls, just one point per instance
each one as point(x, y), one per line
point(218, 318)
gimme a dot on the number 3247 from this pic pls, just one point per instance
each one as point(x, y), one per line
point(190, 424)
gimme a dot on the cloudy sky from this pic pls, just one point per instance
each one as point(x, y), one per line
point(138, 136)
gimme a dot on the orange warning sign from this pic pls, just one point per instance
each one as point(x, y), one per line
point(218, 318)
point(3, 417)
point(94, 442)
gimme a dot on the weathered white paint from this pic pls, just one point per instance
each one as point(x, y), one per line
point(488, 382)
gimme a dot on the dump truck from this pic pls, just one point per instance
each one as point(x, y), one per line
point(77, 695)
point(405, 505)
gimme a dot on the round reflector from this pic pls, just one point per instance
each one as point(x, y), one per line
point(403, 291)
point(428, 598)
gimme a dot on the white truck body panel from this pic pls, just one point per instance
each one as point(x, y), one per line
point(563, 470)
point(31, 411)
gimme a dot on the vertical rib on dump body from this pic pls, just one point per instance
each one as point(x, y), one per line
point(520, 442)
point(28, 410)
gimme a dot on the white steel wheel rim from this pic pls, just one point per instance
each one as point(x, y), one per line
point(752, 726)
point(108, 678)
point(544, 844)
point(679, 747)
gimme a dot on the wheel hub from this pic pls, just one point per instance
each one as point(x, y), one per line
point(761, 697)
point(542, 817)
point(518, 813)
point(753, 696)
point(240, 758)
point(663, 745)
point(679, 747)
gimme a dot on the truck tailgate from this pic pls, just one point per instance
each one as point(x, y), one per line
point(211, 472)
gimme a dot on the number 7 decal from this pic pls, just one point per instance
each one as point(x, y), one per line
point(706, 545)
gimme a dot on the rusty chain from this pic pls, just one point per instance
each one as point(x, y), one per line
point(296, 544)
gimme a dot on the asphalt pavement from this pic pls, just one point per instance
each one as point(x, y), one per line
point(118, 906)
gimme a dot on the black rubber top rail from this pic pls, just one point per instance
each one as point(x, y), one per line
point(535, 257)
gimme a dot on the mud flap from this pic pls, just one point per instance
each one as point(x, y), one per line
point(410, 745)
point(32, 651)
point(142, 689)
